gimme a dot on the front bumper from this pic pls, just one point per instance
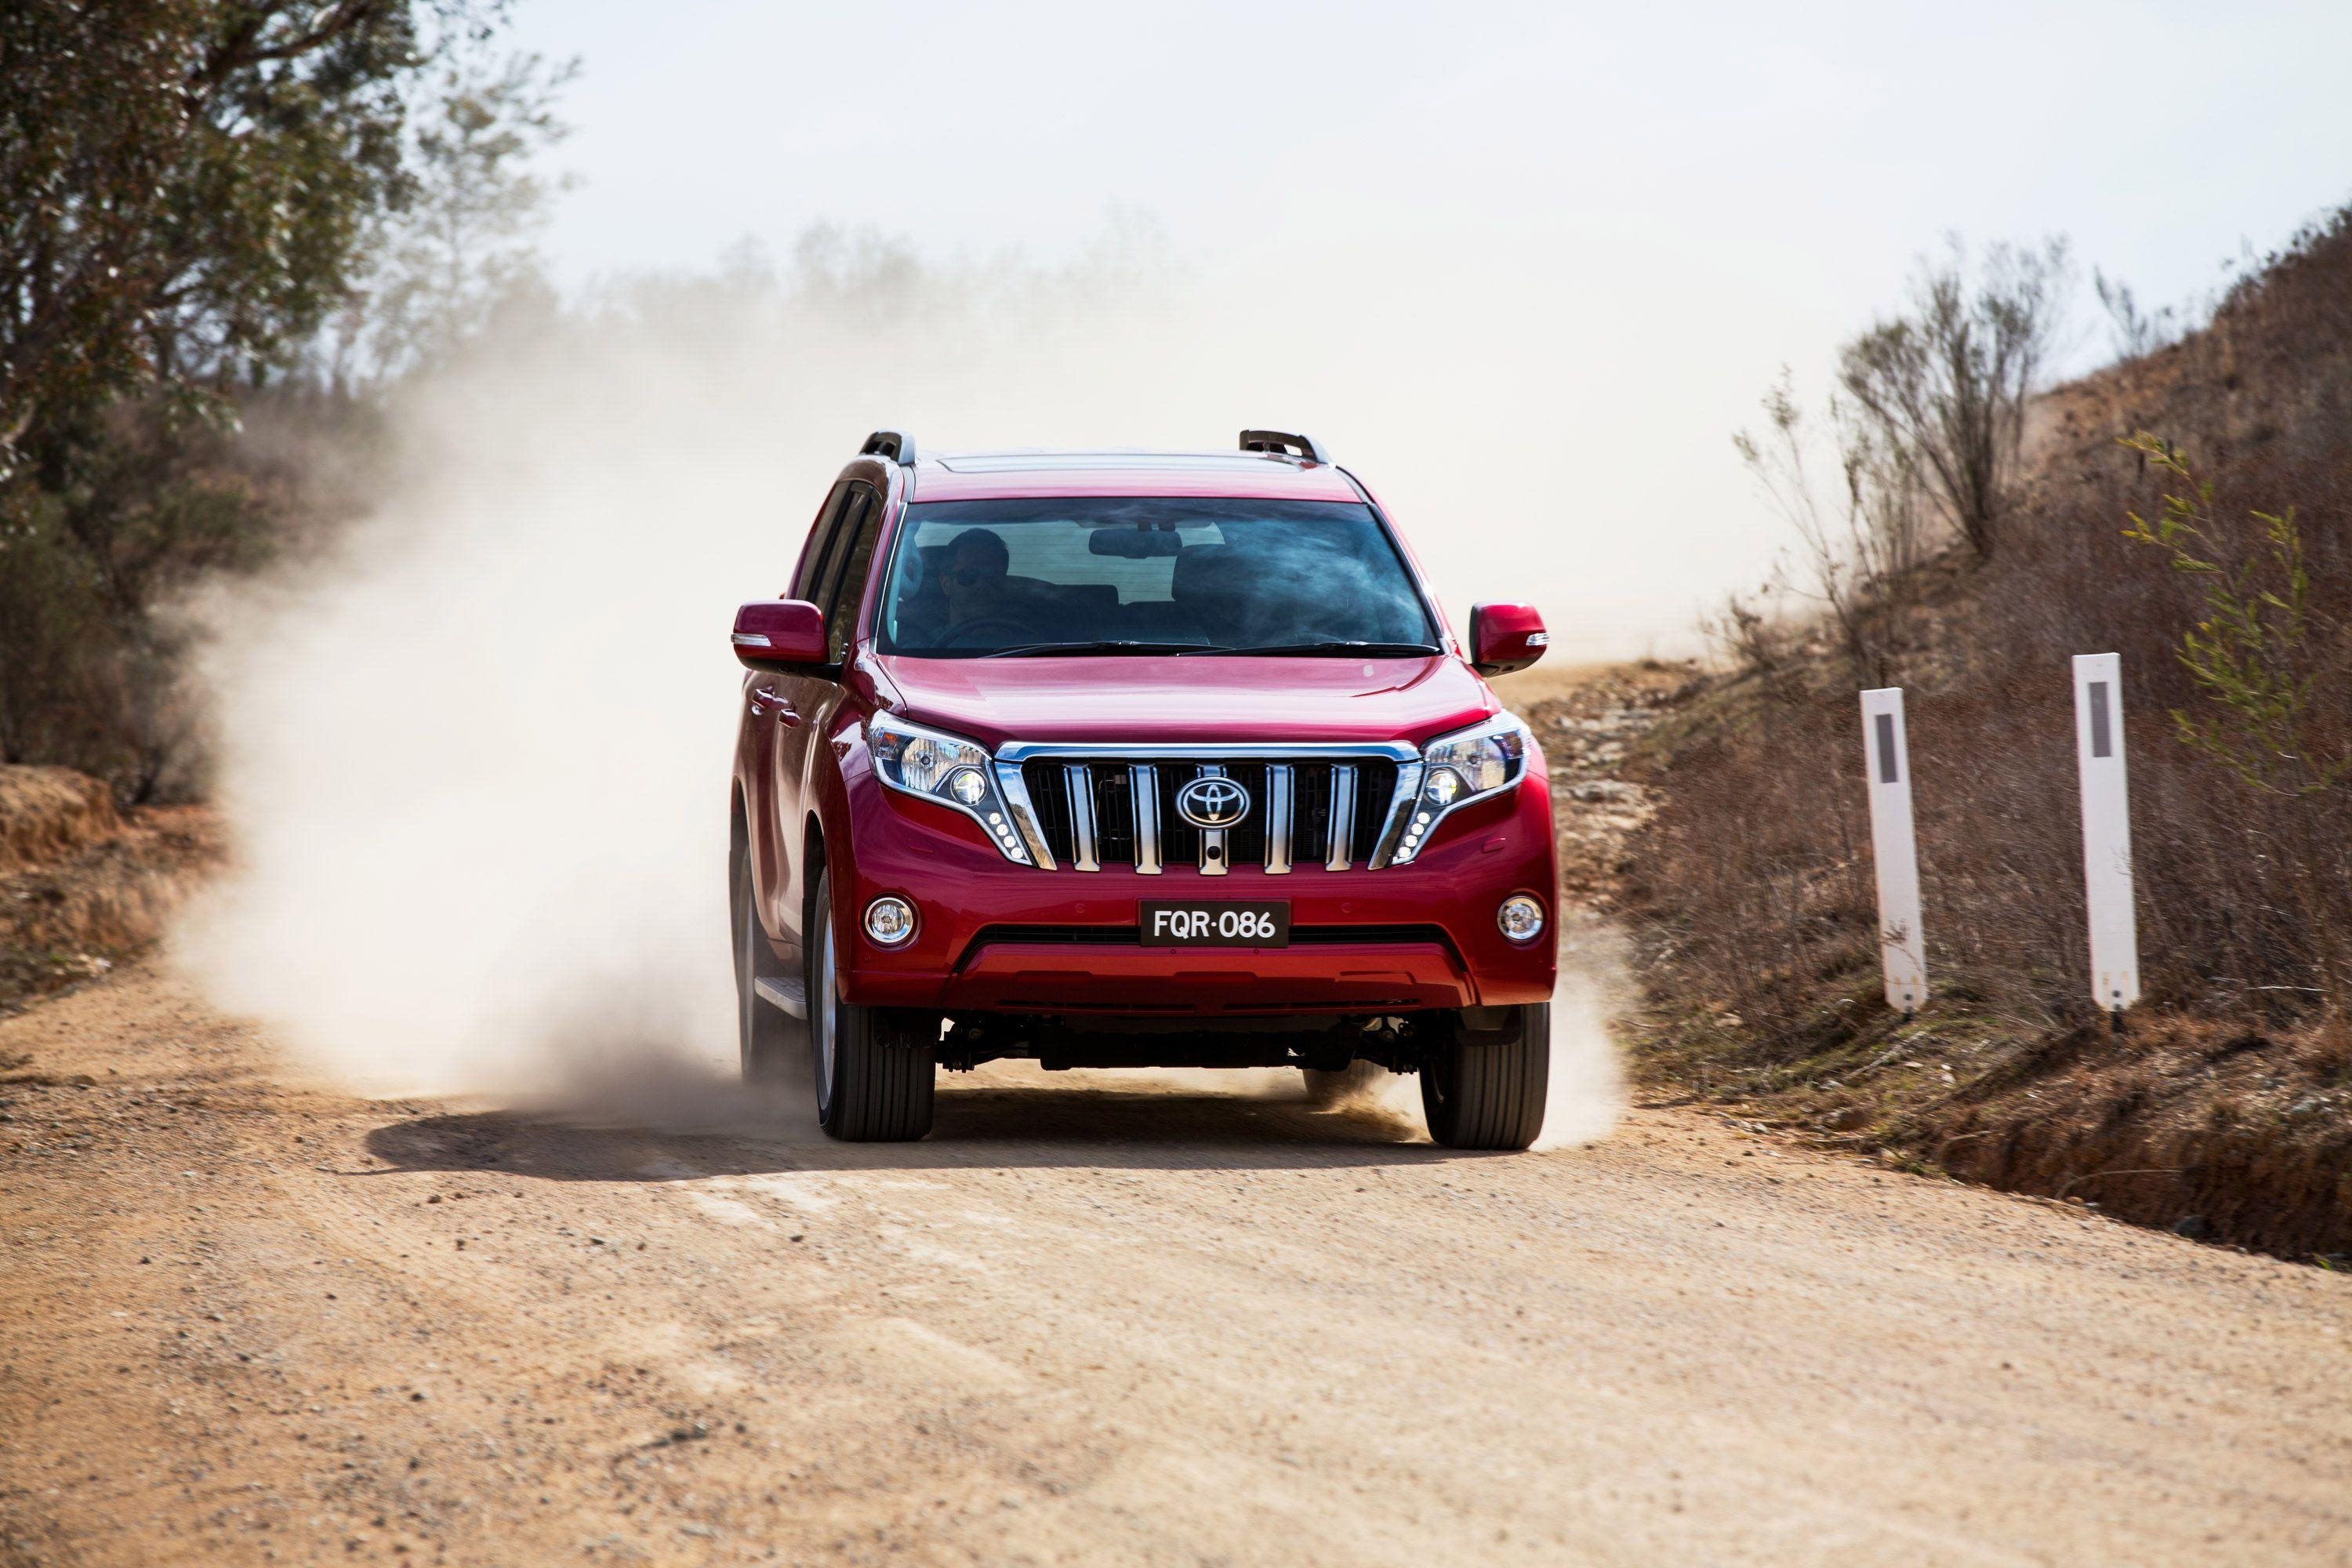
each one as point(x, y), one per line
point(992, 936)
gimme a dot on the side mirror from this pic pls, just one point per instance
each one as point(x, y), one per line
point(1505, 637)
point(780, 636)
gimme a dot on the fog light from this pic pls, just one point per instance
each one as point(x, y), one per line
point(968, 787)
point(1521, 918)
point(891, 920)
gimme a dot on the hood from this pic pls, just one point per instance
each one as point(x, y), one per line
point(1199, 698)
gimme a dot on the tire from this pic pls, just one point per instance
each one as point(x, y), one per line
point(770, 1041)
point(1487, 1090)
point(874, 1068)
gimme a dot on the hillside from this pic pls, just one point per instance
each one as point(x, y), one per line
point(2224, 1110)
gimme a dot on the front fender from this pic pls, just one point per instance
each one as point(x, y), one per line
point(841, 770)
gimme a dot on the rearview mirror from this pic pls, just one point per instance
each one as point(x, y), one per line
point(1505, 637)
point(1135, 543)
point(780, 636)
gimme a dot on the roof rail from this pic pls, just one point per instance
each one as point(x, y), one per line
point(1282, 443)
point(896, 445)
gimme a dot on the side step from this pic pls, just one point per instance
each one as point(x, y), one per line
point(779, 991)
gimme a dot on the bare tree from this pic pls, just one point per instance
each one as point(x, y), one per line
point(1947, 384)
point(1747, 632)
point(2136, 332)
point(1861, 548)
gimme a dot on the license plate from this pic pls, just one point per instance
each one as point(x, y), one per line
point(1256, 923)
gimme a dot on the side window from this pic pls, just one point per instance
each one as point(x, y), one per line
point(807, 582)
point(861, 525)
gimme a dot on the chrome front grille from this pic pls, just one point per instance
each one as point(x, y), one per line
point(1088, 807)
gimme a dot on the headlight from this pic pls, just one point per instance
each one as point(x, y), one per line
point(1457, 769)
point(949, 770)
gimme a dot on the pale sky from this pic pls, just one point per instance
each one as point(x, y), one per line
point(1585, 235)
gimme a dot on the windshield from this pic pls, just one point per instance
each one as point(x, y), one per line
point(1147, 574)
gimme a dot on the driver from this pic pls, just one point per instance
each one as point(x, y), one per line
point(972, 579)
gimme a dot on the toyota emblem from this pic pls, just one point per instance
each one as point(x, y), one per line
point(1212, 802)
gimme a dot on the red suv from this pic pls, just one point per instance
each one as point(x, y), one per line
point(1116, 759)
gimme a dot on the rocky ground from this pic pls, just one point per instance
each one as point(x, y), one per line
point(1587, 728)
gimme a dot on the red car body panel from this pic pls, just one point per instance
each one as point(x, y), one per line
point(804, 781)
point(1196, 698)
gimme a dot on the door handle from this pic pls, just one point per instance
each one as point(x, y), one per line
point(764, 702)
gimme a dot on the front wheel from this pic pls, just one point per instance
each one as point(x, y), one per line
point(1484, 1088)
point(874, 1071)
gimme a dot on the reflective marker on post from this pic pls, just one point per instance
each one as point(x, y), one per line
point(1887, 763)
point(2106, 830)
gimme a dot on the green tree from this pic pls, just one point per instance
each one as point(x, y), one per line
point(184, 187)
point(2258, 651)
point(188, 188)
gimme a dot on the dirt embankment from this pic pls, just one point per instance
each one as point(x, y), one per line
point(82, 886)
point(49, 813)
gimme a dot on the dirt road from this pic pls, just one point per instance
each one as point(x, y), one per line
point(246, 1322)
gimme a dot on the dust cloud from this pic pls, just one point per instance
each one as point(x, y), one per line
point(1586, 1092)
point(475, 756)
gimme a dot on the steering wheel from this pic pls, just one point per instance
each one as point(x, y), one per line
point(966, 632)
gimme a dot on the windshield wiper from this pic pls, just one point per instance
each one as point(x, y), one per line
point(1338, 647)
point(1106, 645)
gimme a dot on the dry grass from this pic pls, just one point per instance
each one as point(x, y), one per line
point(2224, 1107)
point(47, 813)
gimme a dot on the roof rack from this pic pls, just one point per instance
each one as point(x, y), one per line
point(1283, 444)
point(896, 445)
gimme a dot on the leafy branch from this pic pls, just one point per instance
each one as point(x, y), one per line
point(2252, 651)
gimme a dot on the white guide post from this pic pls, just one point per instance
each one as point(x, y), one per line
point(1886, 758)
point(2106, 829)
